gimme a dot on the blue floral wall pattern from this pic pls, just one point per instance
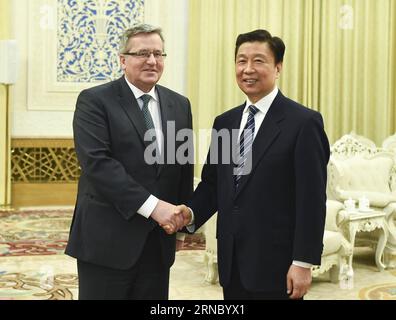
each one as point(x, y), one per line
point(88, 37)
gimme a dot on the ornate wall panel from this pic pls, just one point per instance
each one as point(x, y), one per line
point(44, 172)
point(88, 37)
point(77, 43)
point(44, 161)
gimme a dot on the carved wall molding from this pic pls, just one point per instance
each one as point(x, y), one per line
point(44, 161)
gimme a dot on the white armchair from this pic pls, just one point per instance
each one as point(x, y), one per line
point(390, 144)
point(356, 170)
point(336, 248)
point(363, 140)
point(367, 175)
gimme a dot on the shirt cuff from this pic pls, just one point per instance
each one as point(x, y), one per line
point(180, 236)
point(148, 206)
point(302, 264)
point(191, 226)
point(192, 217)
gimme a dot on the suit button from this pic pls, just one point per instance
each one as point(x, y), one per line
point(235, 210)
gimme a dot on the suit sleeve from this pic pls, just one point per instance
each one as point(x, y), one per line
point(93, 147)
point(187, 178)
point(204, 200)
point(310, 161)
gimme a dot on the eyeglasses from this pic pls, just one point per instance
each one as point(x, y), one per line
point(146, 54)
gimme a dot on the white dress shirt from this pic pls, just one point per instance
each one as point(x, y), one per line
point(148, 206)
point(263, 105)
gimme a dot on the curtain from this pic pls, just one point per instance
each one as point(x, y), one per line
point(340, 59)
point(356, 69)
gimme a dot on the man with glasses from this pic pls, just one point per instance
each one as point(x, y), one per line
point(125, 193)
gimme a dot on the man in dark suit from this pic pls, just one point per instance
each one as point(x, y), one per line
point(271, 201)
point(123, 197)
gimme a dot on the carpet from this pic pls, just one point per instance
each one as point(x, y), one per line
point(34, 232)
point(33, 266)
point(45, 232)
point(38, 278)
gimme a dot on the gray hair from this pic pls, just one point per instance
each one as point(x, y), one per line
point(135, 30)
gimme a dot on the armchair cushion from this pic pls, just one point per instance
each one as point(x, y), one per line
point(331, 242)
point(358, 175)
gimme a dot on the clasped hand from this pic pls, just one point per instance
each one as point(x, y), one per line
point(171, 218)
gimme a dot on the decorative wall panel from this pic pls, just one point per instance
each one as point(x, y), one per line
point(44, 161)
point(88, 37)
point(73, 45)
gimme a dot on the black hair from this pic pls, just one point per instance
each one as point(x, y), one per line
point(276, 44)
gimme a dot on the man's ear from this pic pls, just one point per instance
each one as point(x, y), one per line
point(122, 62)
point(278, 69)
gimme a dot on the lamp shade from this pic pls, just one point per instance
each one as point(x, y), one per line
point(8, 61)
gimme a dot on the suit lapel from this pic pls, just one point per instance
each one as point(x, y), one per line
point(234, 125)
point(167, 114)
point(129, 103)
point(266, 135)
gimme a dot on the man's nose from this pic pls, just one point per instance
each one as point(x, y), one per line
point(151, 59)
point(249, 67)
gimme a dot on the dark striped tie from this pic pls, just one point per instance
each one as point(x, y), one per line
point(147, 118)
point(245, 144)
point(146, 112)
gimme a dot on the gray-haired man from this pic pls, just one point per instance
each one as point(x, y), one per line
point(121, 251)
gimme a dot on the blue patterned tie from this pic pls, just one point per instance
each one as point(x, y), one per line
point(245, 144)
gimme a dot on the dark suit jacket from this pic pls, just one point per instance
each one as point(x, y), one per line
point(277, 214)
point(115, 180)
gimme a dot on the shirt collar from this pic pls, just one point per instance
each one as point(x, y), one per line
point(264, 103)
point(138, 93)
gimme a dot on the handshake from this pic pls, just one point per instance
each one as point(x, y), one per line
point(170, 217)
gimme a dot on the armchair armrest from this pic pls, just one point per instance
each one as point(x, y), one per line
point(333, 218)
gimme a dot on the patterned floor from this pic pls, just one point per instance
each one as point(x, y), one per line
point(45, 232)
point(369, 283)
point(30, 232)
point(32, 263)
point(33, 266)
